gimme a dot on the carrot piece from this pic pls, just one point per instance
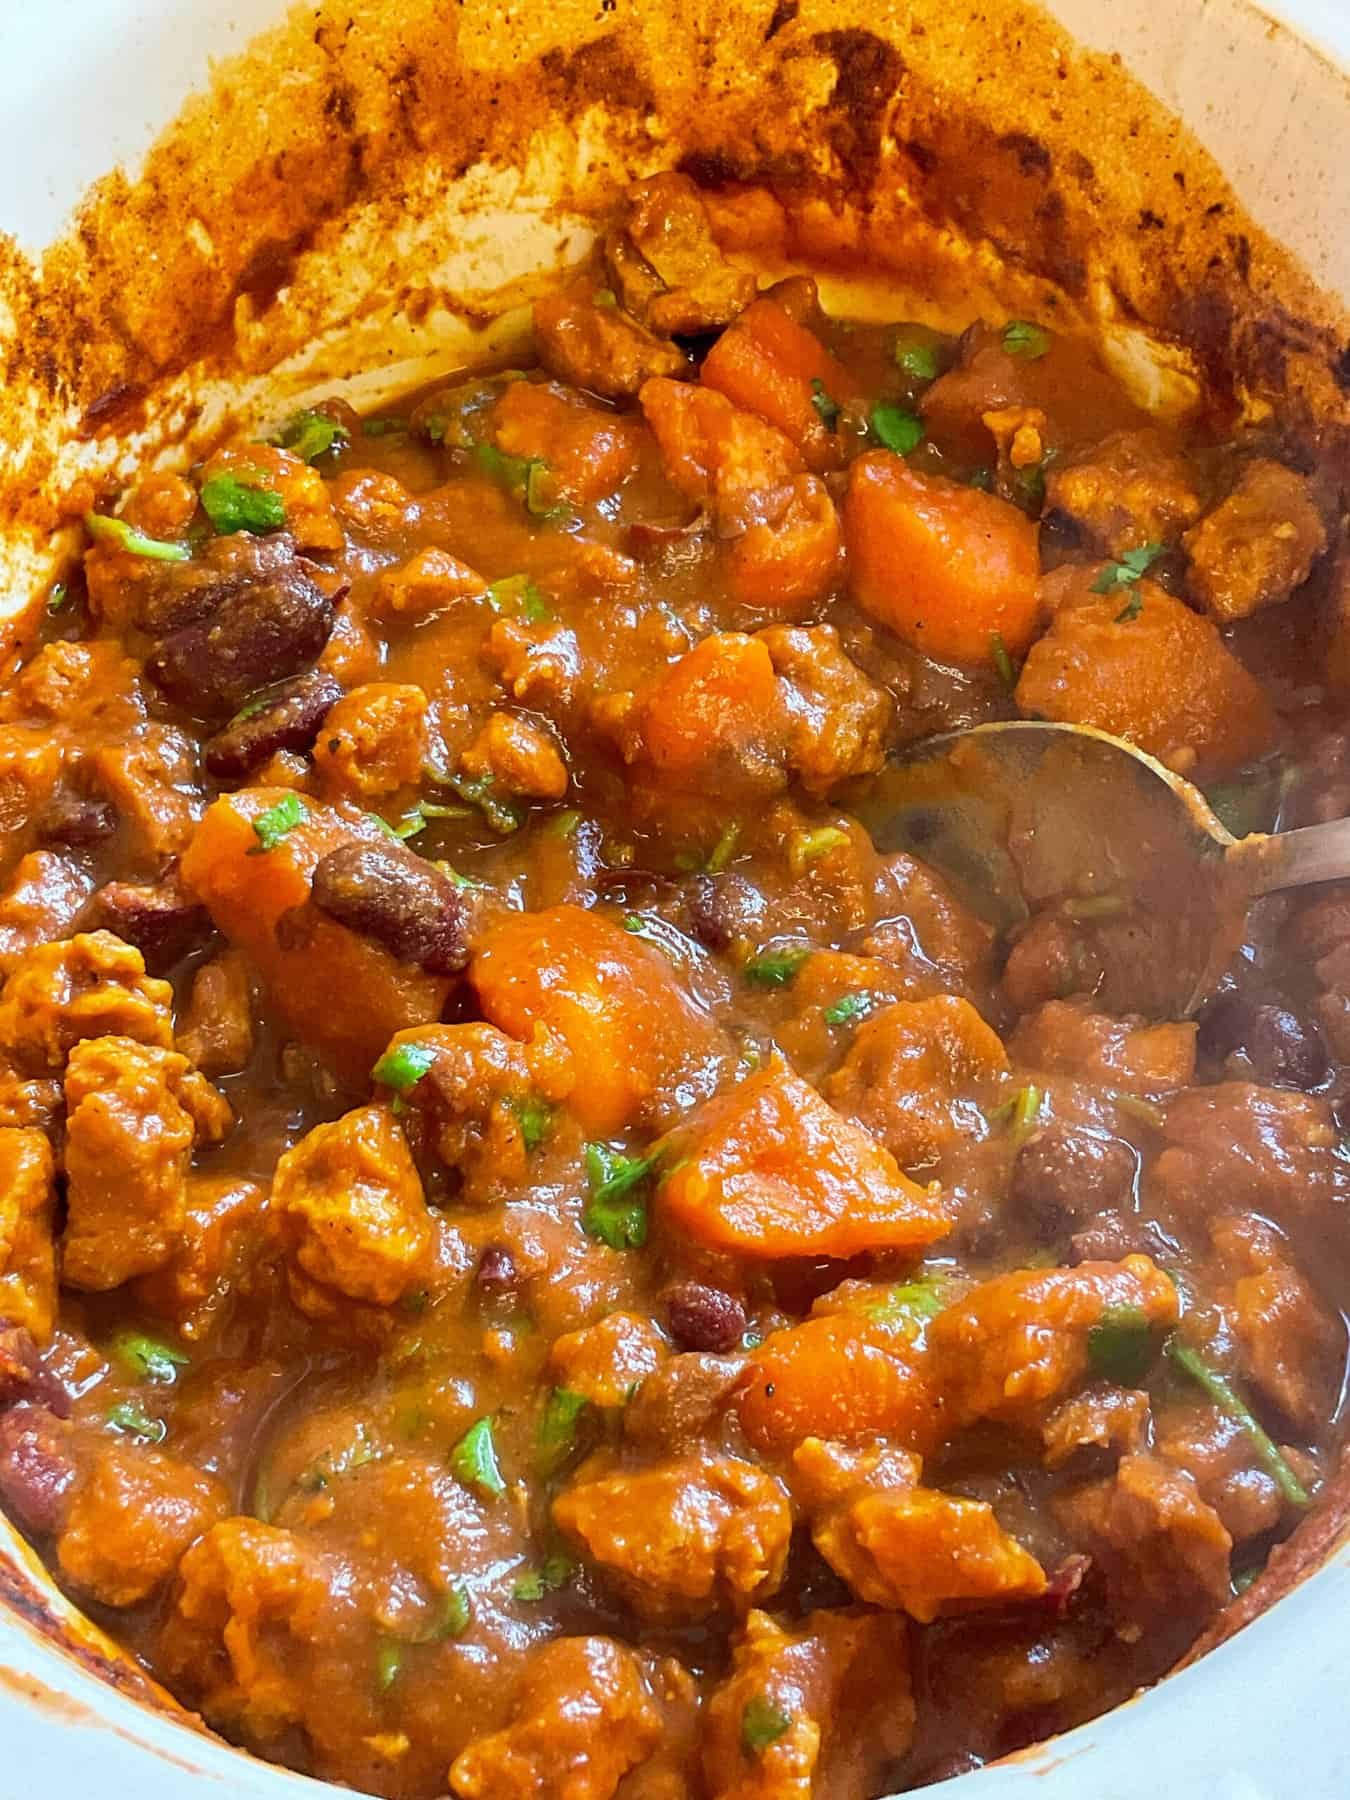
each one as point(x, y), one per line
point(784, 566)
point(948, 568)
point(589, 452)
point(773, 1171)
point(840, 1378)
point(770, 365)
point(712, 449)
point(340, 992)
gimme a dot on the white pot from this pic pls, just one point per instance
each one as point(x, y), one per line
point(84, 83)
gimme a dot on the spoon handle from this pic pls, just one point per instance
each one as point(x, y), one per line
point(1294, 858)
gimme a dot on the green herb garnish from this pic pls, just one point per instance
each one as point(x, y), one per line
point(235, 505)
point(1003, 663)
point(310, 435)
point(518, 598)
point(404, 1066)
point(388, 1662)
point(775, 968)
point(117, 532)
point(481, 791)
point(827, 408)
point(535, 1117)
point(383, 427)
point(616, 1213)
point(149, 1358)
point(474, 1460)
point(57, 598)
point(556, 1437)
point(805, 846)
point(449, 1618)
point(852, 1006)
point(1019, 1113)
point(898, 428)
point(981, 478)
point(270, 827)
point(1131, 568)
point(1120, 1345)
point(910, 1302)
point(724, 849)
point(1022, 338)
point(916, 359)
point(132, 1419)
point(555, 1572)
point(1229, 1401)
point(762, 1724)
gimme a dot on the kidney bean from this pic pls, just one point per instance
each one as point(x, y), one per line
point(287, 720)
point(37, 1467)
point(22, 1374)
point(76, 820)
point(1282, 1049)
point(160, 918)
point(169, 595)
point(1116, 1235)
point(497, 1274)
point(385, 892)
point(703, 1318)
point(721, 908)
point(264, 631)
point(1063, 1175)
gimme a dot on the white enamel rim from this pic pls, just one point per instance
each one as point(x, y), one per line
point(1264, 1717)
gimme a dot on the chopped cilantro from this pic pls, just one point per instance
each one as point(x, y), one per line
point(616, 1213)
point(271, 826)
point(149, 1358)
point(388, 1662)
point(534, 1116)
point(117, 532)
point(132, 1419)
point(827, 408)
point(851, 1006)
point(1003, 663)
point(556, 1437)
point(762, 1724)
point(983, 479)
point(1022, 338)
point(518, 598)
point(724, 849)
point(1131, 568)
point(449, 1618)
point(775, 968)
point(310, 435)
point(898, 428)
point(57, 598)
point(527, 477)
point(404, 1066)
point(1019, 1113)
point(1029, 484)
point(474, 1460)
point(565, 824)
point(383, 427)
point(910, 1302)
point(481, 791)
point(917, 359)
point(1131, 609)
point(805, 847)
point(1228, 1401)
point(235, 505)
point(554, 1572)
point(1120, 1345)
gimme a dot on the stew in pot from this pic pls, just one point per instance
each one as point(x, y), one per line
point(534, 1260)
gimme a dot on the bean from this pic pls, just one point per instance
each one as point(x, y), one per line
point(1282, 1050)
point(497, 1274)
point(169, 595)
point(676, 1404)
point(386, 893)
point(703, 1318)
point(722, 908)
point(1116, 1235)
point(287, 720)
point(74, 819)
point(161, 919)
point(22, 1374)
point(37, 1468)
point(1063, 1175)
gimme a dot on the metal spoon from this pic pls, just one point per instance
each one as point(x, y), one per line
point(1029, 818)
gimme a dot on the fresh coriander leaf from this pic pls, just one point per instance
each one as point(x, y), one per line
point(527, 477)
point(1022, 338)
point(827, 408)
point(898, 428)
point(1003, 663)
point(762, 1724)
point(541, 495)
point(1134, 1106)
point(534, 1116)
point(910, 1302)
point(1093, 906)
point(1030, 485)
point(234, 505)
point(983, 479)
point(449, 1618)
point(556, 1437)
point(310, 435)
point(1131, 609)
point(1120, 1345)
point(474, 1460)
point(517, 597)
point(271, 826)
point(388, 1662)
point(122, 536)
point(1254, 802)
point(132, 1419)
point(565, 824)
point(851, 1006)
point(724, 849)
point(917, 359)
point(403, 1067)
point(416, 1303)
point(775, 968)
point(57, 598)
point(1228, 1401)
point(1019, 1113)
point(553, 1573)
point(805, 846)
point(383, 427)
point(616, 1213)
point(481, 791)
point(149, 1358)
point(1131, 568)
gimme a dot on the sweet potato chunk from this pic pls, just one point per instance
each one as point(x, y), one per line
point(611, 1000)
point(428, 584)
point(770, 365)
point(1160, 676)
point(41, 900)
point(715, 720)
point(915, 1072)
point(583, 1718)
point(604, 1362)
point(132, 1517)
point(1020, 1340)
point(1259, 544)
point(713, 451)
point(698, 1532)
point(219, 1235)
point(947, 568)
point(348, 1205)
point(836, 1376)
point(27, 1255)
point(770, 1170)
point(589, 452)
point(86, 987)
point(132, 1116)
point(248, 892)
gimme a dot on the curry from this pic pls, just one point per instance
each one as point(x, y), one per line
point(534, 1259)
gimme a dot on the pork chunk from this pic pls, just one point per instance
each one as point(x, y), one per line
point(27, 1254)
point(1259, 544)
point(838, 719)
point(1133, 489)
point(88, 986)
point(132, 1517)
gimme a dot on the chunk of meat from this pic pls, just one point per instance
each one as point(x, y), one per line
point(41, 901)
point(715, 721)
point(769, 364)
point(1020, 1340)
point(585, 339)
point(249, 890)
point(785, 564)
point(770, 1170)
point(925, 932)
point(1135, 488)
point(519, 757)
point(425, 586)
point(917, 1074)
point(664, 261)
point(218, 1241)
point(1292, 1347)
point(1161, 1549)
point(1102, 1417)
point(611, 1000)
point(152, 781)
point(583, 1717)
point(715, 453)
point(838, 718)
point(160, 918)
point(39, 1467)
point(1263, 1149)
point(373, 742)
point(951, 570)
point(24, 1376)
point(1259, 544)
point(681, 1402)
point(841, 1377)
point(133, 1114)
point(589, 451)
point(1068, 1038)
point(216, 1034)
point(87, 986)
point(1065, 1175)
point(131, 1518)
point(27, 1253)
point(926, 1553)
point(695, 1534)
point(348, 1207)
point(1159, 675)
point(1218, 1455)
point(822, 1709)
point(605, 1361)
point(30, 763)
